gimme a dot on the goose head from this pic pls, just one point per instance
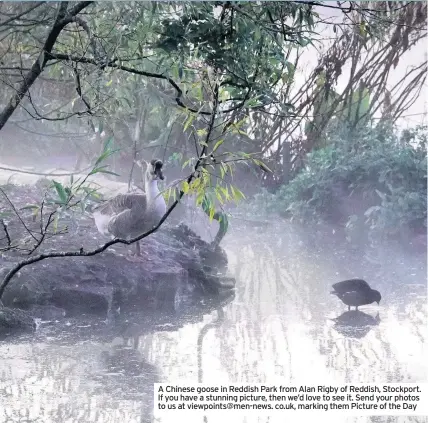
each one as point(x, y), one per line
point(154, 170)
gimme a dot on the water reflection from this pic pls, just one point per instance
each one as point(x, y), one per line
point(281, 327)
point(355, 323)
point(126, 375)
point(216, 323)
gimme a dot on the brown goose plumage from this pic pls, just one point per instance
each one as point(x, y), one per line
point(129, 215)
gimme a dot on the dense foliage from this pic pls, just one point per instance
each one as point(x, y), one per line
point(371, 179)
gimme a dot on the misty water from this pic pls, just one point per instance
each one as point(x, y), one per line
point(279, 328)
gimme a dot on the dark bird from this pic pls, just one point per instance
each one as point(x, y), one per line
point(355, 293)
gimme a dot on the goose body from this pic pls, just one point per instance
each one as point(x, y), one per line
point(129, 215)
point(355, 293)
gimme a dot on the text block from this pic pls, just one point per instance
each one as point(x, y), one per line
point(408, 399)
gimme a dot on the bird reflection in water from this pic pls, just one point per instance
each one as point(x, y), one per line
point(355, 323)
point(129, 376)
point(215, 324)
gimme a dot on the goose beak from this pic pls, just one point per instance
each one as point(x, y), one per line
point(377, 302)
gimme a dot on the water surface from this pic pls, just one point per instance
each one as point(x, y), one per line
point(279, 328)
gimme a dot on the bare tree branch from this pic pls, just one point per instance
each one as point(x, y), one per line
point(15, 18)
point(113, 64)
point(63, 18)
point(6, 232)
point(30, 232)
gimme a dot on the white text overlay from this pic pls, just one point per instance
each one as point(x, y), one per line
point(408, 399)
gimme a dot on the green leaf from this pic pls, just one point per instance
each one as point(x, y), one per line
point(238, 124)
point(102, 170)
point(211, 215)
point(5, 214)
point(253, 102)
point(104, 156)
point(61, 192)
point(304, 41)
point(218, 195)
point(362, 28)
point(360, 105)
point(186, 163)
point(30, 207)
point(196, 184)
point(285, 77)
point(108, 144)
point(167, 195)
point(237, 194)
point(95, 195)
point(291, 69)
point(185, 187)
point(225, 192)
point(200, 198)
point(262, 165)
point(188, 122)
point(218, 144)
point(223, 221)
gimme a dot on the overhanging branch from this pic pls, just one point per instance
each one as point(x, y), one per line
point(115, 65)
point(81, 253)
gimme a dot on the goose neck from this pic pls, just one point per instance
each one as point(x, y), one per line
point(152, 189)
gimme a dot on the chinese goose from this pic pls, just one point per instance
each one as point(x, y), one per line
point(356, 292)
point(129, 215)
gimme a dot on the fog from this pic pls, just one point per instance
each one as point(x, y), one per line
point(280, 324)
point(279, 328)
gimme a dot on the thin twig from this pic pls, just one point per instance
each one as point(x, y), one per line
point(113, 64)
point(9, 241)
point(18, 215)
